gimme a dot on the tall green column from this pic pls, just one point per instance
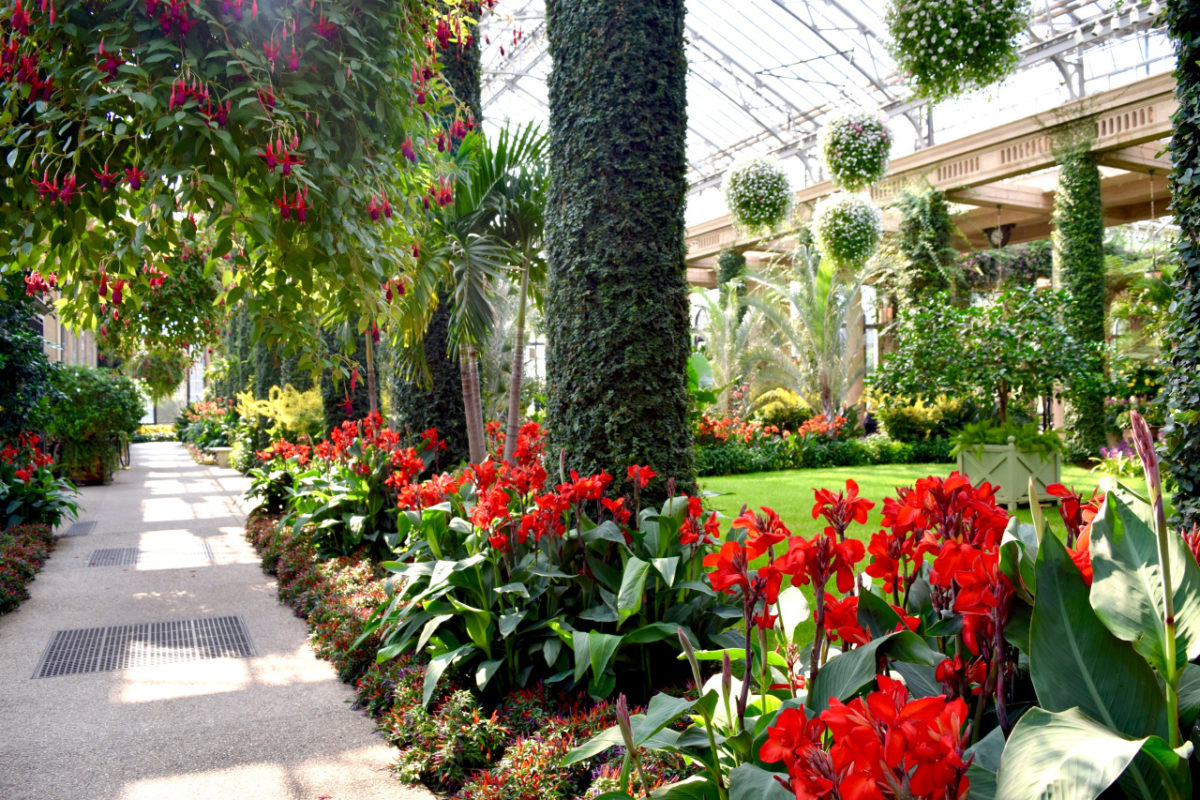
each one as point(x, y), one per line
point(1183, 344)
point(1079, 269)
point(617, 308)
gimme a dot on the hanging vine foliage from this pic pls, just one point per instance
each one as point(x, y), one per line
point(272, 129)
point(1183, 341)
point(924, 241)
point(947, 47)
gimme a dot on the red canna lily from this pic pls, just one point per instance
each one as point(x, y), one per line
point(842, 508)
point(731, 568)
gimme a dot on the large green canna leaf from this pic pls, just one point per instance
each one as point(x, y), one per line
point(985, 761)
point(845, 674)
point(1076, 662)
point(749, 782)
point(1127, 592)
point(633, 587)
point(1068, 756)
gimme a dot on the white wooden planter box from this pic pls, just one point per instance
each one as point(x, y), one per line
point(1010, 469)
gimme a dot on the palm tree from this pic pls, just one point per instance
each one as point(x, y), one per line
point(814, 319)
point(731, 332)
point(467, 253)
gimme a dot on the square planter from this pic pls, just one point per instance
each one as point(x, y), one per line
point(1010, 469)
point(222, 455)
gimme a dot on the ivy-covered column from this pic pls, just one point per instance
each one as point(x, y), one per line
point(1079, 269)
point(617, 309)
point(1183, 345)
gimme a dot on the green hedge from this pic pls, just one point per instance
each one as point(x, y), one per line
point(1183, 376)
point(1079, 267)
point(736, 458)
point(617, 307)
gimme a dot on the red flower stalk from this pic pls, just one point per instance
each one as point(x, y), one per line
point(841, 509)
point(764, 530)
point(1076, 514)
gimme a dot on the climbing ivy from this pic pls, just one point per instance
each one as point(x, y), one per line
point(617, 306)
point(924, 242)
point(1183, 374)
point(1079, 267)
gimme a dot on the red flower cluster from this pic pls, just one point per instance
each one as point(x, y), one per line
point(36, 283)
point(820, 426)
point(25, 456)
point(283, 450)
point(879, 747)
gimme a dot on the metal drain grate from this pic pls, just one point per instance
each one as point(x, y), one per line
point(113, 557)
point(79, 529)
point(146, 644)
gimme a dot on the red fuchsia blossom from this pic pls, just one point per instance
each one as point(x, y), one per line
point(108, 63)
point(325, 29)
point(134, 176)
point(293, 60)
point(406, 149)
point(69, 190)
point(46, 188)
point(35, 283)
point(107, 179)
point(118, 288)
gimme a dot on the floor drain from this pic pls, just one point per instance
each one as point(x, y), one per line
point(114, 557)
point(145, 644)
point(79, 529)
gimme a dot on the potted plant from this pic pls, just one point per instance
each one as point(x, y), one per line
point(1006, 353)
point(88, 412)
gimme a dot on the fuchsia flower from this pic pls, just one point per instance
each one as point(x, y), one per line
point(69, 190)
point(107, 179)
point(293, 61)
point(135, 176)
point(46, 187)
point(406, 149)
point(108, 62)
point(325, 28)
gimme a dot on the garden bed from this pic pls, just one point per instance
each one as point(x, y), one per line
point(510, 748)
point(23, 551)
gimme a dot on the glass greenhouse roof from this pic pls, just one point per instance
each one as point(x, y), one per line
point(764, 74)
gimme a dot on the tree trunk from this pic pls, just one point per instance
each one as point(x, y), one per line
point(472, 404)
point(518, 368)
point(373, 400)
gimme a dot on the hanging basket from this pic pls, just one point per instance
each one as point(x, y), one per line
point(758, 193)
point(948, 47)
point(847, 229)
point(856, 149)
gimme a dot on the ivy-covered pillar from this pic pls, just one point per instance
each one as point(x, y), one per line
point(1079, 269)
point(1183, 340)
point(617, 307)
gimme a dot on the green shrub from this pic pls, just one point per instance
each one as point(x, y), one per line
point(908, 420)
point(782, 408)
point(92, 407)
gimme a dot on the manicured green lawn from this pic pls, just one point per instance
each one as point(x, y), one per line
point(790, 493)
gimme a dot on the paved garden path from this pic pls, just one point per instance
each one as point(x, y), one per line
point(171, 710)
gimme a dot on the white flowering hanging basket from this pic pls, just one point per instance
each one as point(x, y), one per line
point(856, 149)
point(847, 229)
point(947, 47)
point(758, 193)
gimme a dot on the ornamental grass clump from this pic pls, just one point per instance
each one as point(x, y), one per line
point(758, 193)
point(847, 229)
point(856, 149)
point(947, 47)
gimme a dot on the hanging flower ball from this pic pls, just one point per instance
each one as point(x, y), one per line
point(856, 148)
point(758, 193)
point(847, 229)
point(947, 47)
